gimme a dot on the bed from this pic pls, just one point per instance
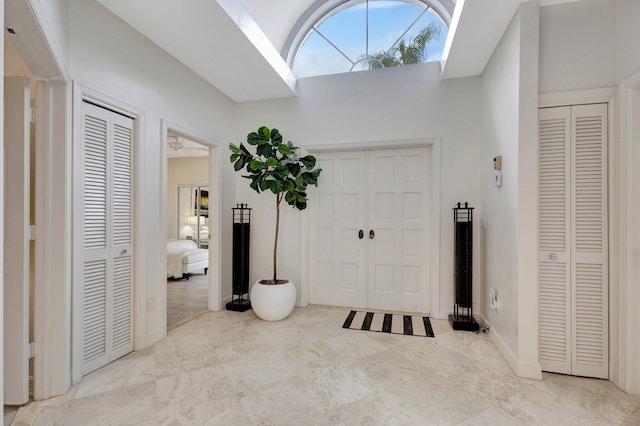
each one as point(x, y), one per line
point(184, 258)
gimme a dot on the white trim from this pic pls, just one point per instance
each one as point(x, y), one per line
point(434, 231)
point(520, 369)
point(629, 180)
point(215, 205)
point(501, 345)
point(82, 93)
point(577, 97)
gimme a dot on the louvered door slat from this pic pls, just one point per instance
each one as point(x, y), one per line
point(95, 310)
point(95, 182)
point(122, 191)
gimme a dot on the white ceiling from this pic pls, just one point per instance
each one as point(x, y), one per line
point(220, 48)
point(235, 45)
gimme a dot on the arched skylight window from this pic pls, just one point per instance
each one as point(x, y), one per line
point(356, 35)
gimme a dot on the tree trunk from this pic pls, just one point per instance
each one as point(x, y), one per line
point(275, 244)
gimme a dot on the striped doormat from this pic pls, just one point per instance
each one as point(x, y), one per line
point(410, 325)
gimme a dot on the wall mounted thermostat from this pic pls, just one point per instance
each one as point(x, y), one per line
point(497, 162)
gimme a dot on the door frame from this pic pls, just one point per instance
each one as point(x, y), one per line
point(628, 297)
point(215, 206)
point(81, 93)
point(434, 305)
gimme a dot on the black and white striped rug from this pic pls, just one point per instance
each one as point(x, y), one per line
point(410, 325)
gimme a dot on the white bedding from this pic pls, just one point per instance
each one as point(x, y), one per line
point(174, 263)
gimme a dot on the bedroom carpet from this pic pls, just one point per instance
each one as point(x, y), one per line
point(186, 299)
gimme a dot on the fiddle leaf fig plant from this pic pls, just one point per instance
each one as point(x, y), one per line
point(276, 167)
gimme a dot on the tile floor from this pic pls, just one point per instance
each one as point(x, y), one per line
point(229, 368)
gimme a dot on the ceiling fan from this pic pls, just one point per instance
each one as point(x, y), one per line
point(179, 144)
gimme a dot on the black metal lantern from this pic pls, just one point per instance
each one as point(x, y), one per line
point(462, 317)
point(241, 234)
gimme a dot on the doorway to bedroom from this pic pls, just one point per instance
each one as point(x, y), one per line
point(188, 231)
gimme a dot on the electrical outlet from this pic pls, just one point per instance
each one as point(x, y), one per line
point(493, 299)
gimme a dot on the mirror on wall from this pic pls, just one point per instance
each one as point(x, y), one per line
point(193, 214)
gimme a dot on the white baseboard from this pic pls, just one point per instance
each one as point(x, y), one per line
point(226, 300)
point(520, 369)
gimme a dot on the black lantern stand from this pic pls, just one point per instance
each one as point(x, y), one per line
point(462, 317)
point(241, 231)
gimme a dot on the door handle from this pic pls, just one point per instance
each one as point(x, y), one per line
point(361, 234)
point(372, 234)
point(123, 252)
point(553, 256)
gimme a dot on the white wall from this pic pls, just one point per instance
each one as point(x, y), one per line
point(383, 105)
point(501, 99)
point(183, 171)
point(577, 46)
point(107, 55)
point(627, 38)
point(510, 99)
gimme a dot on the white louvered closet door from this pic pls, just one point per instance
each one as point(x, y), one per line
point(572, 256)
point(554, 268)
point(589, 248)
point(107, 237)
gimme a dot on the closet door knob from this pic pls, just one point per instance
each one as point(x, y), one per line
point(361, 234)
point(372, 234)
point(553, 256)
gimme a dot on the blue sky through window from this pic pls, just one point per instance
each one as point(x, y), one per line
point(388, 20)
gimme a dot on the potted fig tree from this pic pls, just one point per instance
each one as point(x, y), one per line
point(278, 168)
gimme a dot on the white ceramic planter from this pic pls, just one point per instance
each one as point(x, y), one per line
point(273, 302)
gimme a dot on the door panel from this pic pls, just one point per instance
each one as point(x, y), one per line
point(16, 240)
point(337, 267)
point(398, 216)
point(554, 224)
point(589, 243)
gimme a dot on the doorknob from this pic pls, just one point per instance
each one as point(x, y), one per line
point(553, 256)
point(123, 252)
point(361, 234)
point(372, 234)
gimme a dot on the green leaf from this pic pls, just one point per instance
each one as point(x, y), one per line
point(275, 135)
point(238, 165)
point(276, 186)
point(272, 162)
point(281, 172)
point(255, 139)
point(256, 165)
point(309, 161)
point(284, 149)
point(264, 131)
point(294, 168)
point(264, 150)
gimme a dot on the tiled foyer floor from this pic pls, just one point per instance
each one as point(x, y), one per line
point(229, 368)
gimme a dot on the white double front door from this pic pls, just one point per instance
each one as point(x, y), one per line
point(370, 230)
